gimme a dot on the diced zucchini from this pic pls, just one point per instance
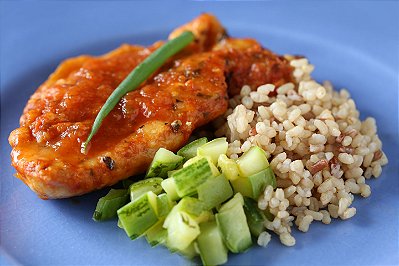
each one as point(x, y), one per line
point(189, 178)
point(205, 216)
point(163, 162)
point(139, 215)
point(171, 172)
point(213, 149)
point(236, 200)
point(164, 205)
point(261, 180)
point(191, 205)
point(258, 183)
point(271, 177)
point(255, 217)
point(194, 207)
point(143, 186)
point(108, 205)
point(182, 222)
point(214, 191)
point(252, 186)
point(120, 224)
point(210, 244)
point(190, 252)
point(252, 161)
point(170, 217)
point(169, 186)
point(242, 186)
point(229, 167)
point(156, 234)
point(190, 150)
point(233, 225)
point(182, 229)
point(214, 169)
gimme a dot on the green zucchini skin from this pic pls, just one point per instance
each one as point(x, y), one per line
point(190, 150)
point(163, 162)
point(143, 186)
point(210, 244)
point(190, 177)
point(214, 191)
point(140, 215)
point(234, 228)
point(205, 206)
point(255, 217)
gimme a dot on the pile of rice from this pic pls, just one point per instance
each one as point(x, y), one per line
point(318, 148)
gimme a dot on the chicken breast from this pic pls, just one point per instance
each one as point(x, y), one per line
point(188, 92)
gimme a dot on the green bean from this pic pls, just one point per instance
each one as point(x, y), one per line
point(144, 70)
point(108, 205)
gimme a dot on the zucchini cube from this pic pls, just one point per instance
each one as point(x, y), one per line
point(164, 161)
point(139, 215)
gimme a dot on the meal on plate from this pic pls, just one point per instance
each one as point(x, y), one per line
point(278, 148)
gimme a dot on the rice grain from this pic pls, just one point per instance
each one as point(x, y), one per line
point(320, 151)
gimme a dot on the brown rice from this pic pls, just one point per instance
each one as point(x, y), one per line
point(318, 148)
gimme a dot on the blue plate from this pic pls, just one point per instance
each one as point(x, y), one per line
point(355, 45)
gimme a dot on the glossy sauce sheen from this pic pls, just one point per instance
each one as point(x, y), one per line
point(190, 90)
point(68, 114)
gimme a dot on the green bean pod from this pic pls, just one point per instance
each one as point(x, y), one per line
point(144, 70)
